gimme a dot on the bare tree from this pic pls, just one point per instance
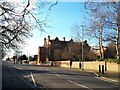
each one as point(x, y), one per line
point(57, 54)
point(102, 20)
point(113, 24)
point(13, 27)
point(77, 32)
point(97, 16)
point(17, 21)
point(110, 51)
point(74, 49)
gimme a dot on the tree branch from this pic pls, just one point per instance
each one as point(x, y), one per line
point(53, 5)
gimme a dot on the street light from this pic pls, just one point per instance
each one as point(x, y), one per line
point(82, 49)
point(28, 55)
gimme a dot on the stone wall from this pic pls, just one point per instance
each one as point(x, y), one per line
point(90, 65)
point(113, 67)
point(93, 65)
point(32, 62)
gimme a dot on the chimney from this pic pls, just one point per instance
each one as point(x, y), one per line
point(63, 38)
point(48, 38)
point(44, 41)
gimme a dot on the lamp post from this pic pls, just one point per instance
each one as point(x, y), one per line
point(82, 49)
point(28, 56)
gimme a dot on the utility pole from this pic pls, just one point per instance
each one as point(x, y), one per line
point(28, 54)
point(82, 49)
point(1, 57)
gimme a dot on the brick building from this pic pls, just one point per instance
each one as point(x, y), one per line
point(53, 49)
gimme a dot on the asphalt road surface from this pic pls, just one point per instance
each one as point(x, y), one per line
point(52, 78)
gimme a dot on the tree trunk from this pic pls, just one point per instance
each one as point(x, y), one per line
point(117, 31)
point(100, 45)
point(117, 43)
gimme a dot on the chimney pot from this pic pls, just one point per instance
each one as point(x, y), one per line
point(48, 37)
point(63, 38)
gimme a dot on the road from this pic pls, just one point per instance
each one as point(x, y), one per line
point(51, 78)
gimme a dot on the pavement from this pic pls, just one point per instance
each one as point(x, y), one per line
point(109, 76)
point(11, 80)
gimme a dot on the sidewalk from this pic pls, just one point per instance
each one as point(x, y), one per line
point(11, 81)
point(109, 76)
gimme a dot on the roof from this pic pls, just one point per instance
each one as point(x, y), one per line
point(56, 40)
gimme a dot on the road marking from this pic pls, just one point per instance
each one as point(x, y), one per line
point(21, 78)
point(33, 79)
point(58, 75)
point(47, 70)
point(95, 73)
point(107, 79)
point(26, 76)
point(19, 68)
point(79, 85)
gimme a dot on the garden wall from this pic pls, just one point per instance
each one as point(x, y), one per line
point(90, 65)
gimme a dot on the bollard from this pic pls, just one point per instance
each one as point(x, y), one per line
point(80, 65)
point(102, 69)
point(105, 66)
point(52, 63)
point(99, 68)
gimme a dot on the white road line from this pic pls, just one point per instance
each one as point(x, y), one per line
point(79, 85)
point(107, 79)
point(21, 78)
point(47, 70)
point(58, 75)
point(95, 73)
point(33, 79)
point(14, 66)
point(26, 76)
point(19, 68)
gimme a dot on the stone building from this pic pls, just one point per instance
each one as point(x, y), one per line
point(52, 49)
point(55, 49)
point(41, 55)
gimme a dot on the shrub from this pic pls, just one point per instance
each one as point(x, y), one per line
point(113, 60)
point(118, 61)
point(97, 59)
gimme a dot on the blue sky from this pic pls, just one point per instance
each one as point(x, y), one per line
point(63, 16)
